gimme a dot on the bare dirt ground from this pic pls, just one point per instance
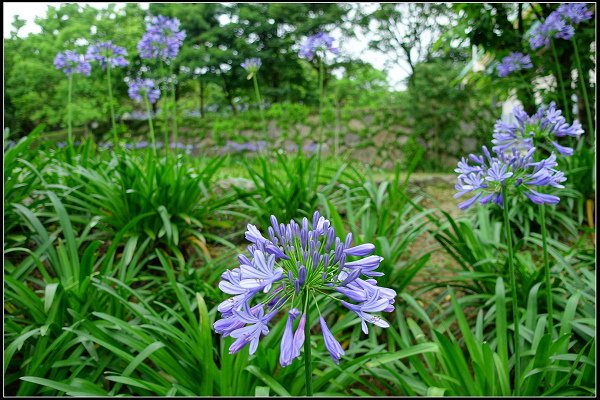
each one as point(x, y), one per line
point(437, 190)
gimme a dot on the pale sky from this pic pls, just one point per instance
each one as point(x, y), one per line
point(355, 47)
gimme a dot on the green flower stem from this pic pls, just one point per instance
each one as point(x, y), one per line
point(513, 287)
point(307, 356)
point(320, 121)
point(174, 104)
point(260, 110)
point(567, 110)
point(165, 115)
point(112, 109)
point(588, 110)
point(69, 120)
point(149, 111)
point(546, 267)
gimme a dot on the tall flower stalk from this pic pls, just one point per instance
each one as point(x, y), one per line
point(291, 267)
point(71, 62)
point(544, 128)
point(149, 111)
point(162, 41)
point(252, 65)
point(146, 91)
point(321, 44)
point(112, 107)
point(165, 113)
point(566, 104)
point(70, 118)
point(321, 95)
point(581, 78)
point(513, 172)
point(109, 55)
point(513, 286)
point(549, 298)
point(307, 352)
point(174, 101)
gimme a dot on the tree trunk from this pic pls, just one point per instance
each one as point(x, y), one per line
point(201, 84)
point(566, 58)
point(229, 96)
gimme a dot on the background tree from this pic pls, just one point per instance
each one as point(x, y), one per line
point(406, 31)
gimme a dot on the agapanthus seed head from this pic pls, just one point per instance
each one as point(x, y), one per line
point(293, 267)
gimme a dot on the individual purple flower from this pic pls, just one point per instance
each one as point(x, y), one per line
point(511, 171)
point(318, 43)
point(139, 88)
point(360, 250)
point(250, 334)
point(543, 127)
point(71, 62)
point(107, 53)
point(298, 339)
point(515, 61)
point(162, 40)
point(374, 303)
point(290, 346)
point(331, 344)
point(294, 262)
point(261, 274)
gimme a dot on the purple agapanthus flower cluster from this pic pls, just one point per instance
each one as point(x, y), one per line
point(545, 126)
point(107, 53)
point(515, 171)
point(139, 88)
point(287, 271)
point(574, 13)
point(72, 62)
point(559, 24)
point(162, 40)
point(320, 42)
point(515, 61)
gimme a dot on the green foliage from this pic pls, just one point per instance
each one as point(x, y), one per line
point(168, 201)
point(60, 269)
point(361, 86)
point(387, 215)
point(441, 113)
point(290, 189)
point(21, 178)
